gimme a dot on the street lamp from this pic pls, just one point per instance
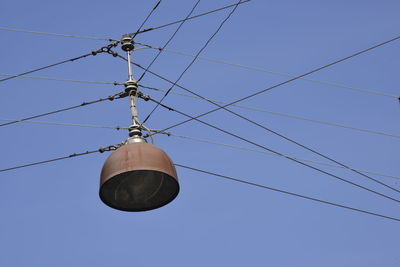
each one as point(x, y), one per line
point(137, 176)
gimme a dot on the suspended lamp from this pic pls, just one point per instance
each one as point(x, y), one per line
point(137, 176)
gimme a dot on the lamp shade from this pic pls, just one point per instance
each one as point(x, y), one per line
point(138, 177)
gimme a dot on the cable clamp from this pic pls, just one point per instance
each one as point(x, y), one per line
point(143, 96)
point(109, 148)
point(107, 49)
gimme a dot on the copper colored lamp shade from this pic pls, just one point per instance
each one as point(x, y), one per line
point(138, 177)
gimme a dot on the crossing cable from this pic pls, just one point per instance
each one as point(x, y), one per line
point(169, 40)
point(276, 73)
point(68, 80)
point(100, 150)
point(72, 124)
point(287, 192)
point(292, 79)
point(61, 79)
point(192, 62)
point(286, 138)
point(197, 140)
point(115, 147)
point(93, 53)
point(193, 17)
point(110, 39)
point(55, 34)
point(110, 98)
point(147, 98)
point(280, 84)
point(272, 154)
point(221, 102)
point(283, 114)
point(145, 20)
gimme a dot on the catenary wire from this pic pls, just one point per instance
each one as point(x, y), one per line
point(55, 34)
point(286, 138)
point(283, 114)
point(193, 17)
point(192, 62)
point(46, 67)
point(291, 140)
point(287, 192)
point(101, 150)
point(197, 140)
point(281, 135)
point(47, 161)
point(263, 147)
point(110, 39)
point(147, 18)
point(272, 154)
point(93, 53)
point(66, 80)
point(362, 90)
point(281, 83)
point(60, 79)
point(70, 124)
point(169, 40)
point(110, 98)
point(221, 102)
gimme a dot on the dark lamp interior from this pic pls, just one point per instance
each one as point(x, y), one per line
point(139, 190)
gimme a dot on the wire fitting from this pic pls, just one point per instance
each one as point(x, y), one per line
point(143, 96)
point(131, 87)
point(135, 134)
point(109, 148)
point(127, 43)
point(107, 49)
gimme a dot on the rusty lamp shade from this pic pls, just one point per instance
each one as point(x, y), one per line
point(138, 177)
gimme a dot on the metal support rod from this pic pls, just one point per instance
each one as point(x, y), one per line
point(130, 77)
point(135, 132)
point(133, 100)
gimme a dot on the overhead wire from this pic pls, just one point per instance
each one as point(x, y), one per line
point(93, 53)
point(111, 39)
point(194, 59)
point(193, 17)
point(263, 147)
point(46, 67)
point(207, 141)
point(70, 124)
point(280, 84)
point(60, 79)
point(55, 34)
point(362, 90)
point(169, 40)
point(147, 17)
point(199, 140)
point(114, 147)
point(100, 150)
point(297, 76)
point(282, 114)
point(295, 142)
point(287, 192)
point(67, 80)
point(110, 98)
point(221, 102)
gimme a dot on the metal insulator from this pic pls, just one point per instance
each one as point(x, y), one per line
point(134, 130)
point(130, 86)
point(127, 43)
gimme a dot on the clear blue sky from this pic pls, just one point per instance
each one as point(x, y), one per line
point(51, 214)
